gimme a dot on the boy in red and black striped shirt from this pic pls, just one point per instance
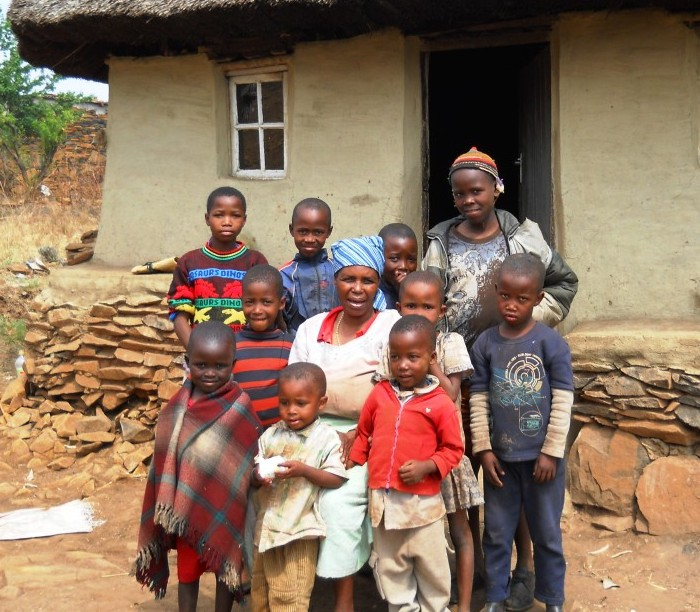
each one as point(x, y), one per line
point(262, 346)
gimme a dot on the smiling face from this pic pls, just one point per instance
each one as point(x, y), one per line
point(299, 402)
point(225, 220)
point(310, 229)
point(400, 259)
point(357, 287)
point(410, 357)
point(261, 305)
point(475, 195)
point(210, 362)
point(517, 296)
point(422, 299)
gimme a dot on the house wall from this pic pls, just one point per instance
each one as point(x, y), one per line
point(627, 163)
point(354, 140)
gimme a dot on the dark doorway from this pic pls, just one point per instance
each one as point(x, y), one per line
point(497, 99)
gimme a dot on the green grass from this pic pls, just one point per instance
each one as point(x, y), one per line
point(12, 332)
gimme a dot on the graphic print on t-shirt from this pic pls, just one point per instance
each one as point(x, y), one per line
point(519, 386)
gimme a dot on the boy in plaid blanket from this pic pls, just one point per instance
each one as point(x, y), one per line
point(195, 497)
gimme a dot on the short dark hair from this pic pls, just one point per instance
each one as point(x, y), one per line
point(264, 273)
point(225, 192)
point(312, 204)
point(524, 264)
point(415, 323)
point(211, 333)
point(397, 230)
point(303, 370)
point(425, 277)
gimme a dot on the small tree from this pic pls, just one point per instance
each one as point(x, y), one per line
point(30, 113)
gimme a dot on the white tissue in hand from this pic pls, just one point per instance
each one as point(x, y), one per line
point(270, 466)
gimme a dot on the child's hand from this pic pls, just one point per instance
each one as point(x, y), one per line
point(259, 481)
point(545, 469)
point(349, 464)
point(346, 442)
point(412, 472)
point(292, 469)
point(492, 468)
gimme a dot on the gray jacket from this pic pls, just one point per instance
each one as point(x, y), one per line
point(560, 283)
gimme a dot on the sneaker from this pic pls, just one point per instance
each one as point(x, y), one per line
point(522, 591)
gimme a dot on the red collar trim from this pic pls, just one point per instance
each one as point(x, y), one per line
point(325, 334)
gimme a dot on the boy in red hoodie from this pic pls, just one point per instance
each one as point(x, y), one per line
point(415, 436)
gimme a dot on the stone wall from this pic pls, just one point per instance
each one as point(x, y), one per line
point(636, 460)
point(95, 377)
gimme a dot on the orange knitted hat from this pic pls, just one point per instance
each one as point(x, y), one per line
point(479, 161)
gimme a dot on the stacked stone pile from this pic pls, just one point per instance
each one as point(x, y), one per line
point(95, 377)
point(78, 252)
point(80, 159)
point(636, 461)
point(651, 402)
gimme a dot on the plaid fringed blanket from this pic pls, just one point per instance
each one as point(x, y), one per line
point(197, 485)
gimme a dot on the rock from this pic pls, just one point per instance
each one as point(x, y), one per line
point(93, 340)
point(87, 366)
point(167, 389)
point(141, 454)
point(85, 448)
point(124, 373)
point(604, 465)
point(690, 416)
point(69, 347)
point(15, 388)
point(686, 383)
point(62, 463)
point(7, 490)
point(133, 431)
point(43, 443)
point(612, 522)
point(112, 400)
point(87, 382)
point(68, 388)
point(10, 592)
point(104, 437)
point(666, 395)
point(143, 299)
point(655, 448)
point(129, 356)
point(58, 317)
point(597, 396)
point(624, 385)
point(91, 398)
point(88, 424)
point(107, 329)
point(37, 462)
point(591, 409)
point(19, 418)
point(656, 377)
point(103, 311)
point(668, 494)
point(672, 432)
point(35, 337)
point(648, 402)
point(644, 414)
point(690, 400)
point(161, 323)
point(20, 450)
point(157, 360)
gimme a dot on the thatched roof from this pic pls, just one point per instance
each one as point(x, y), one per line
point(74, 37)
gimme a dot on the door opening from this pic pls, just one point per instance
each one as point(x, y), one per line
point(497, 99)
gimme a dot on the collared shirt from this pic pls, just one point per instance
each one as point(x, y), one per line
point(289, 508)
point(309, 288)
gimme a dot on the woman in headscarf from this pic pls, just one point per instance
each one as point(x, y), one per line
point(348, 344)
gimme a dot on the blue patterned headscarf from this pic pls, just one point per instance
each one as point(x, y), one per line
point(365, 251)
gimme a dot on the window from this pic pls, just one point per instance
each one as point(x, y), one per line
point(258, 109)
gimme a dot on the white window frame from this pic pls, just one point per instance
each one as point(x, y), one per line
point(257, 76)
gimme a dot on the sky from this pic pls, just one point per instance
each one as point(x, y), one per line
point(82, 86)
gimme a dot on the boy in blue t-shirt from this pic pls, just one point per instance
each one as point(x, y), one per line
point(309, 288)
point(521, 398)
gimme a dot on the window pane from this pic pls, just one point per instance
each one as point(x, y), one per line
point(272, 102)
point(247, 103)
point(248, 150)
point(274, 149)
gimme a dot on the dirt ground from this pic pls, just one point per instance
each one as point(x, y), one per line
point(90, 571)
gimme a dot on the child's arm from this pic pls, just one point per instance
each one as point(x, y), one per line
point(321, 478)
point(451, 384)
point(183, 328)
point(360, 447)
point(555, 440)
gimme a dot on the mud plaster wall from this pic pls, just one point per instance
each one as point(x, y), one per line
point(630, 177)
point(354, 140)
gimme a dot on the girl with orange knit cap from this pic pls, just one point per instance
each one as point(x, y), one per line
point(467, 252)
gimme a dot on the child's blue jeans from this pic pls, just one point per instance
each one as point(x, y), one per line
point(543, 505)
